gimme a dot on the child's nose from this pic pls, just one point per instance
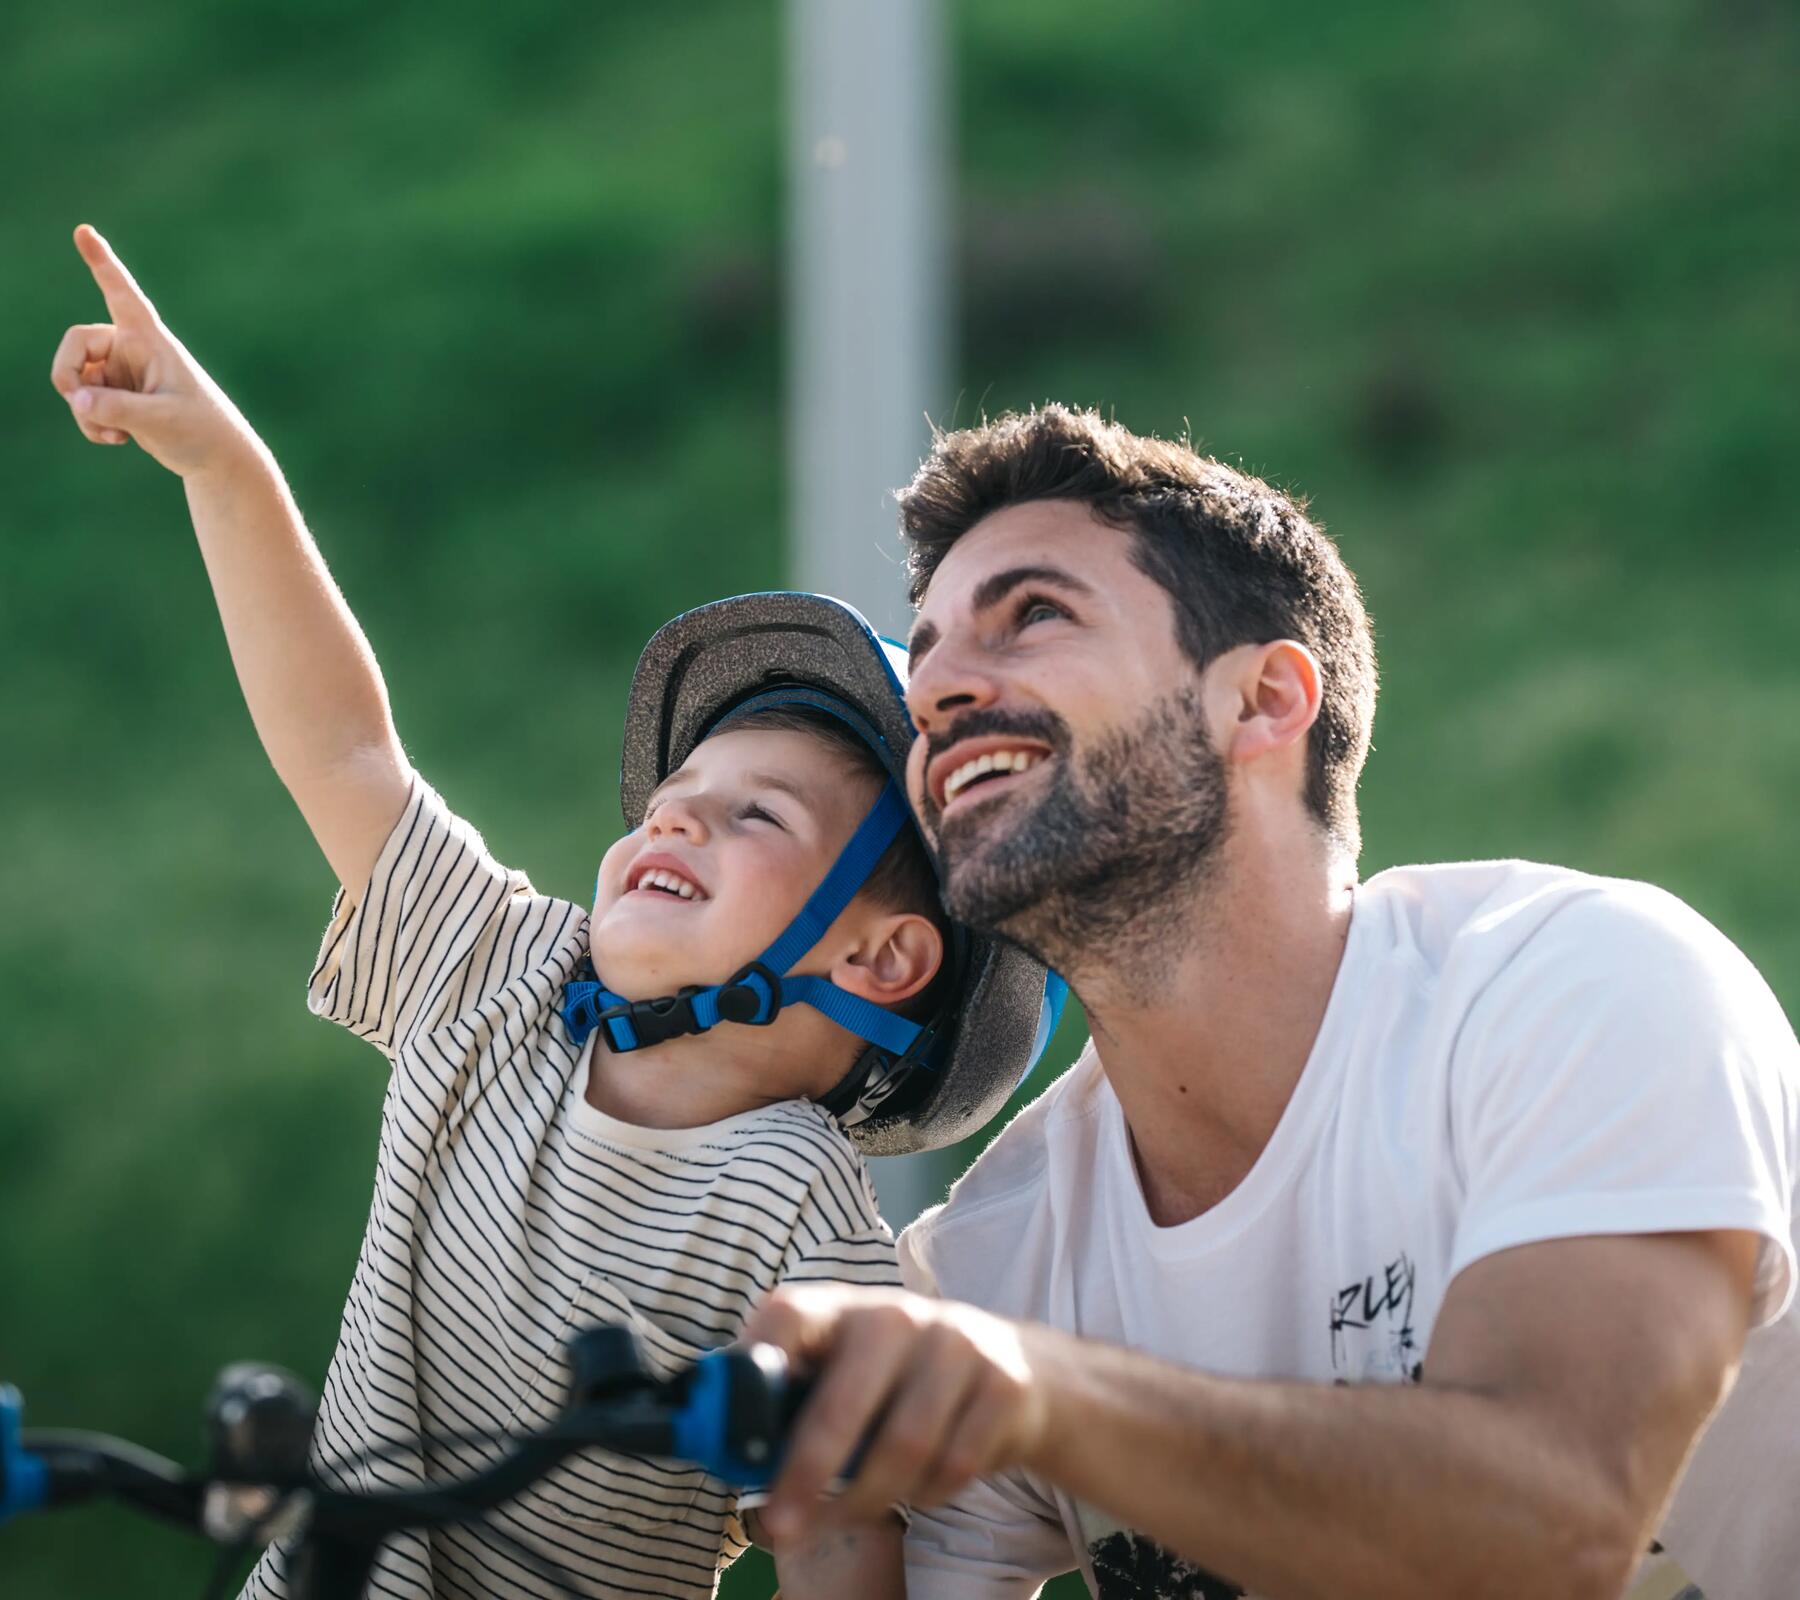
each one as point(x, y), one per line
point(679, 818)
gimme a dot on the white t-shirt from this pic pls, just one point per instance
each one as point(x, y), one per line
point(1510, 1053)
point(508, 1214)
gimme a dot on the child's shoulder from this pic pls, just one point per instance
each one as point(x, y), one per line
point(813, 1148)
point(811, 1137)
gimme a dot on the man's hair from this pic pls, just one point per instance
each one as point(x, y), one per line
point(904, 878)
point(1239, 559)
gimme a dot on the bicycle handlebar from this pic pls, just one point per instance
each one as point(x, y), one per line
point(729, 1413)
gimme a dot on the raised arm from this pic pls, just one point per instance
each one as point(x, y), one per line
point(309, 677)
point(1565, 1385)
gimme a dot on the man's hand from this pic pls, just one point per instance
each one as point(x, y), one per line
point(933, 1393)
point(131, 379)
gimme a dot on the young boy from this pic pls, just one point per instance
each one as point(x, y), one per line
point(640, 1141)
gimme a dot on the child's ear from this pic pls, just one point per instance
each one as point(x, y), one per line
point(898, 954)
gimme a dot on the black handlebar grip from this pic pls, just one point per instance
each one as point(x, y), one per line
point(259, 1425)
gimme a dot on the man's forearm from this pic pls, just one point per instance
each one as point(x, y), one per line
point(1294, 1491)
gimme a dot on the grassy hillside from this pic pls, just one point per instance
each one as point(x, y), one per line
point(1508, 292)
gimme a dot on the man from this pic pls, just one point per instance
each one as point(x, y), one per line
point(1390, 1239)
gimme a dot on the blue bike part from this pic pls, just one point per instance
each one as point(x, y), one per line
point(24, 1478)
point(711, 1430)
point(757, 992)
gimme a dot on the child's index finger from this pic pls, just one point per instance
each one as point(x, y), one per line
point(124, 298)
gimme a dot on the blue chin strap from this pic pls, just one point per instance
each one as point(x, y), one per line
point(756, 993)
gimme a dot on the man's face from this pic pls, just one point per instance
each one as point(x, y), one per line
point(1063, 765)
point(731, 845)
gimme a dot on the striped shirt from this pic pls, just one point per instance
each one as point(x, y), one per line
point(508, 1213)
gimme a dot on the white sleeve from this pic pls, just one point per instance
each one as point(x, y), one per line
point(1001, 1538)
point(997, 1540)
point(1627, 1071)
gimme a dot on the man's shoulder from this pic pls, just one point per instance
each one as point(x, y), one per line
point(1518, 960)
point(1457, 916)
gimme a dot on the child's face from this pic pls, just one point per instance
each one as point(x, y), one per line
point(732, 844)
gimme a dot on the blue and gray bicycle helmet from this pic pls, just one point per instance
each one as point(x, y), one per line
point(916, 1086)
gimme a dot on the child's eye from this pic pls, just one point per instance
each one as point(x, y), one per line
point(754, 812)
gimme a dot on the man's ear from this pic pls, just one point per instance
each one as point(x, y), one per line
point(1274, 690)
point(897, 955)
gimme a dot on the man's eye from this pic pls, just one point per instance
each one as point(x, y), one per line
point(1037, 609)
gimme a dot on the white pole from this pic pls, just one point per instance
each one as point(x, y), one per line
point(867, 160)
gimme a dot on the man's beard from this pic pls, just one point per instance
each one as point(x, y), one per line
point(1099, 871)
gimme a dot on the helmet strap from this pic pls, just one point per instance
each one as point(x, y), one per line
point(757, 992)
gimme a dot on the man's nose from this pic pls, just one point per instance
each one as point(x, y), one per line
point(953, 678)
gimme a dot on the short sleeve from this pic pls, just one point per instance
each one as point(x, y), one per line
point(439, 926)
point(865, 1258)
point(1627, 1071)
point(838, 1234)
point(837, 1237)
point(997, 1540)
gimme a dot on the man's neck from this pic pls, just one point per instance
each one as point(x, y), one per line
point(1205, 1063)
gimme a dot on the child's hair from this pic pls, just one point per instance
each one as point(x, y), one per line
point(903, 879)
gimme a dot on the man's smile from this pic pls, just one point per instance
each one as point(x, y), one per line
point(981, 766)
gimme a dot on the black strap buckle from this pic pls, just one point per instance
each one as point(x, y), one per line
point(656, 1020)
point(739, 1002)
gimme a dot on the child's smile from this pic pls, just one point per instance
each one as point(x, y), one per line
point(730, 847)
point(658, 872)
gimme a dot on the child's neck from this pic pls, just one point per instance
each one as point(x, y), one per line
point(680, 1083)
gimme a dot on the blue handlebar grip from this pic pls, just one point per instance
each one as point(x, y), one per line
point(24, 1478)
point(702, 1427)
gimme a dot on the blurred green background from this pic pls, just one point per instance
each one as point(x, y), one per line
point(1510, 292)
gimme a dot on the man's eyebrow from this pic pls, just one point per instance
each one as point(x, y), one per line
point(923, 638)
point(991, 591)
point(996, 587)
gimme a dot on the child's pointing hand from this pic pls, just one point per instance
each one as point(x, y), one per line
point(132, 379)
